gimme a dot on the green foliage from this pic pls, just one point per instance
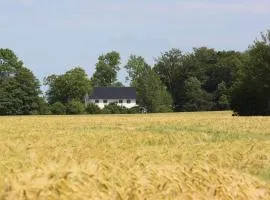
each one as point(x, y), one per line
point(117, 84)
point(113, 108)
point(19, 89)
point(43, 107)
point(222, 97)
point(58, 108)
point(251, 94)
point(106, 70)
point(135, 66)
point(208, 66)
point(169, 67)
point(196, 99)
point(225, 70)
point(134, 110)
point(73, 85)
point(75, 107)
point(92, 109)
point(223, 102)
point(152, 93)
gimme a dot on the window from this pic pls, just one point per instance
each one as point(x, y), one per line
point(120, 101)
point(96, 101)
point(128, 101)
point(105, 101)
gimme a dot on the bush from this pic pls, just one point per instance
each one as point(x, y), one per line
point(75, 107)
point(58, 108)
point(43, 107)
point(113, 108)
point(93, 109)
point(163, 109)
point(134, 110)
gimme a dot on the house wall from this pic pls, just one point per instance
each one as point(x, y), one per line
point(125, 104)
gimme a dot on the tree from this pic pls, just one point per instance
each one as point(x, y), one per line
point(135, 66)
point(19, 88)
point(73, 85)
point(174, 69)
point(106, 69)
point(113, 108)
point(196, 99)
point(224, 70)
point(152, 94)
point(251, 93)
point(75, 107)
point(208, 66)
point(222, 97)
point(93, 109)
point(170, 68)
point(134, 110)
point(117, 84)
point(58, 108)
point(44, 108)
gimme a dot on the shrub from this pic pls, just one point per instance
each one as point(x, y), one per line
point(93, 109)
point(43, 107)
point(113, 108)
point(75, 107)
point(58, 108)
point(163, 109)
point(134, 110)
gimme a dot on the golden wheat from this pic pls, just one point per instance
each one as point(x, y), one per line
point(208, 155)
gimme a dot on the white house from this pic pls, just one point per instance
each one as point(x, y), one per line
point(123, 96)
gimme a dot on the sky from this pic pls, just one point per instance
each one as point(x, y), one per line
point(53, 36)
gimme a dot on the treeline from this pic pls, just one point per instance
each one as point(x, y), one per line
point(202, 80)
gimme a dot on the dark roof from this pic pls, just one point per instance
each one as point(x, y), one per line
point(113, 93)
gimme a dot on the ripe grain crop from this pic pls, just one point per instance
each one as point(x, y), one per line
point(207, 155)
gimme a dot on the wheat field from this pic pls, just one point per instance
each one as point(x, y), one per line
point(207, 155)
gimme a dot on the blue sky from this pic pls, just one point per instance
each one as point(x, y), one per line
point(54, 36)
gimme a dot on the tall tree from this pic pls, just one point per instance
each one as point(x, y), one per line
point(222, 97)
point(106, 69)
point(73, 85)
point(208, 66)
point(169, 66)
point(19, 89)
point(196, 99)
point(251, 94)
point(152, 93)
point(225, 69)
point(135, 66)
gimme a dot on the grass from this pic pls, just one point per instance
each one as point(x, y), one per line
point(207, 155)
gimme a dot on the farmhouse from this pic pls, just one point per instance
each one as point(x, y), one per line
point(122, 96)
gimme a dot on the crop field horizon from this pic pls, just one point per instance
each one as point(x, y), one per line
point(204, 155)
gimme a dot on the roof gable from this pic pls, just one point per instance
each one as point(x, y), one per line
point(113, 93)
